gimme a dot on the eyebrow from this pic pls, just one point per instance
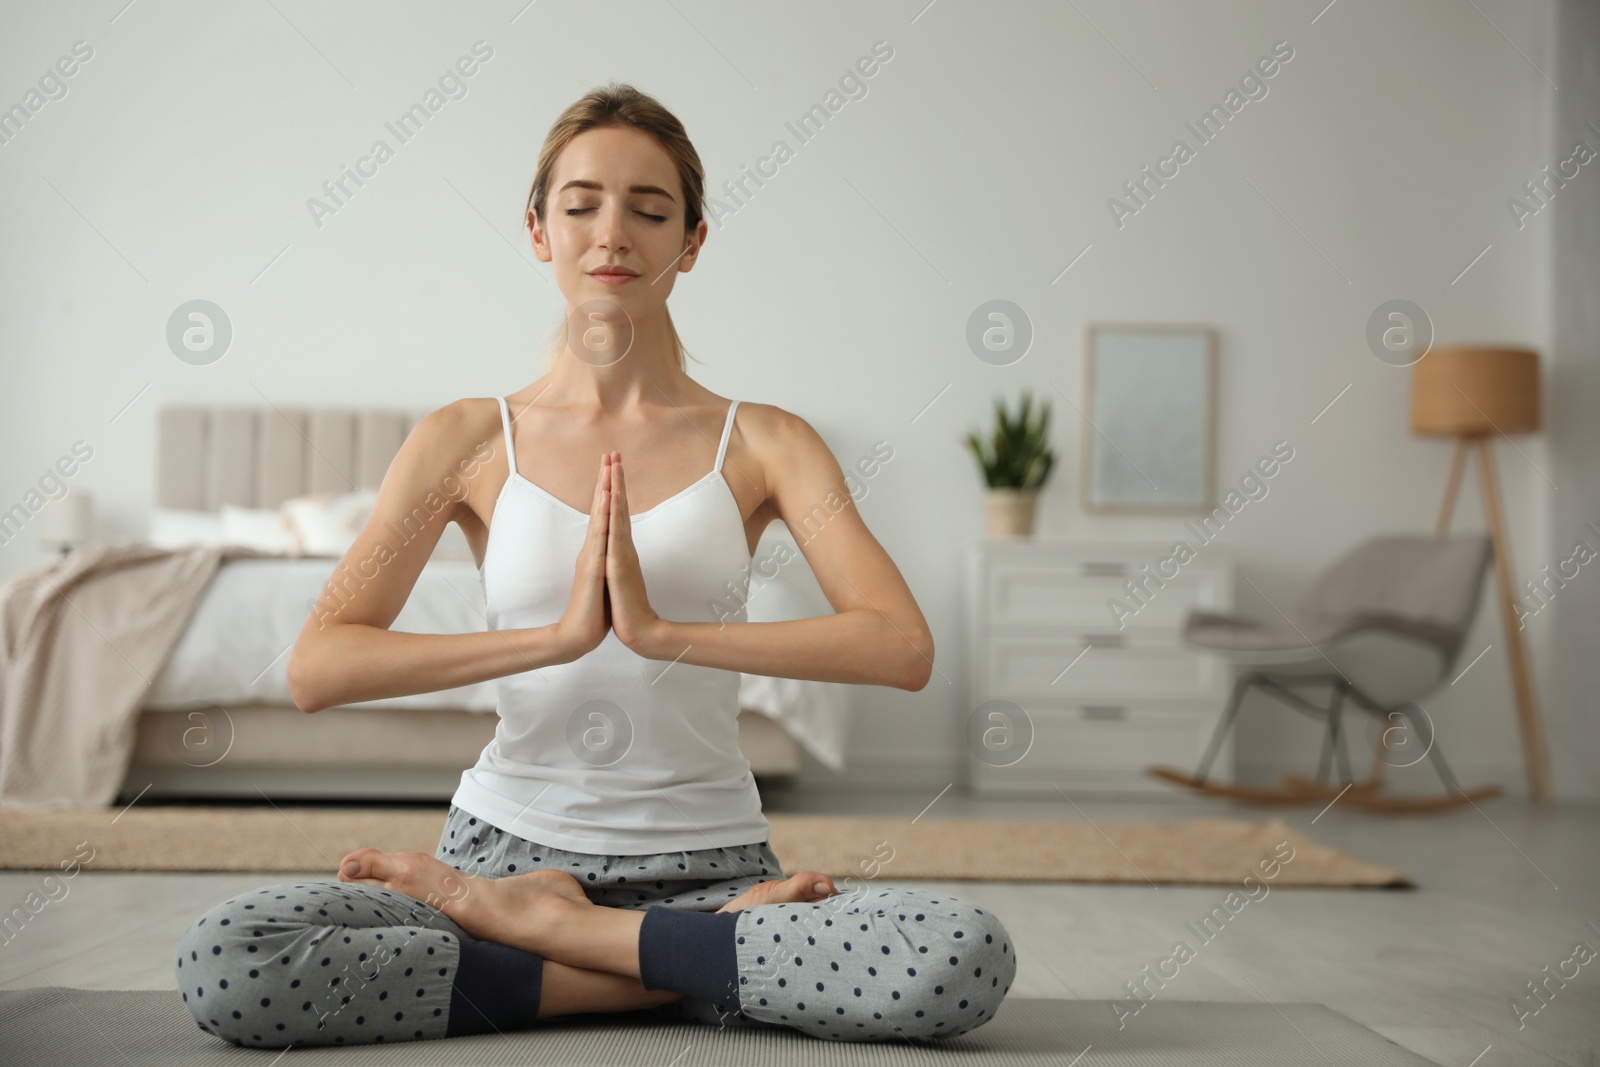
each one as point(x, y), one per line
point(584, 183)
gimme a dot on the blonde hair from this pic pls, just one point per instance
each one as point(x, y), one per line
point(619, 104)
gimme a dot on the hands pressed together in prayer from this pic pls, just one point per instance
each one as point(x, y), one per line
point(608, 590)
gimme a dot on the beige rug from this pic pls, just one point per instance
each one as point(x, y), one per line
point(314, 839)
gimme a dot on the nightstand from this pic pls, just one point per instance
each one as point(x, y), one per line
point(1068, 690)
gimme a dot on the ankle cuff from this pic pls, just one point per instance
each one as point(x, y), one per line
point(690, 952)
point(496, 987)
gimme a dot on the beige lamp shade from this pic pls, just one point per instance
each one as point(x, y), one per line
point(1469, 391)
point(66, 523)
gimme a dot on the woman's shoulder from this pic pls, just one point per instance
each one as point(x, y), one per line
point(779, 444)
point(461, 428)
point(768, 422)
point(771, 430)
point(469, 416)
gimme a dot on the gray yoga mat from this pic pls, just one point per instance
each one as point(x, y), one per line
point(57, 1025)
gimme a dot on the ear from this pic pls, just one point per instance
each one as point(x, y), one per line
point(541, 245)
point(694, 240)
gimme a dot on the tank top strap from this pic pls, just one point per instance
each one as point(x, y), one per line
point(505, 424)
point(727, 431)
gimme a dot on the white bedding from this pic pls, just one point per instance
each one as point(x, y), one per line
point(236, 647)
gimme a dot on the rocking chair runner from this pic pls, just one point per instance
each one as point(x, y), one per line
point(1380, 629)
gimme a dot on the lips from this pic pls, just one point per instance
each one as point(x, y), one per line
point(619, 272)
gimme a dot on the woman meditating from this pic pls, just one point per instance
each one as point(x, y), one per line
point(607, 853)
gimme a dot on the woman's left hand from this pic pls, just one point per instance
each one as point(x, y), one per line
point(631, 615)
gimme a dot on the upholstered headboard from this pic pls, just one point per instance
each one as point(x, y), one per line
point(259, 457)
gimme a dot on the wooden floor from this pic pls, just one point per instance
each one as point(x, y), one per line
point(1506, 891)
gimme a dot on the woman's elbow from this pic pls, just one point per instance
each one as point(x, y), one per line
point(919, 665)
point(302, 689)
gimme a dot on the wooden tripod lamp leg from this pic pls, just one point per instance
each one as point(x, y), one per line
point(1446, 509)
point(1533, 748)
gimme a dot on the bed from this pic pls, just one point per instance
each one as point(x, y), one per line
point(218, 720)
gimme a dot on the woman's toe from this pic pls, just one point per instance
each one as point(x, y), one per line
point(362, 864)
point(800, 888)
point(819, 884)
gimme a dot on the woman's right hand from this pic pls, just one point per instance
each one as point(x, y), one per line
point(587, 619)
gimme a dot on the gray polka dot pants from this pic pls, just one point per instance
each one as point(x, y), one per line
point(329, 962)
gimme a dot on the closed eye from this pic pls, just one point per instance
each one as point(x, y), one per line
point(646, 214)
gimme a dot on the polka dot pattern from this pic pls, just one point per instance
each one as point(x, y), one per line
point(319, 963)
point(876, 963)
point(325, 963)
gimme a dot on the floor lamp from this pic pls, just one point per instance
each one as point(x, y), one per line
point(1472, 394)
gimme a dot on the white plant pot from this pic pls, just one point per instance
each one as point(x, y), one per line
point(1010, 512)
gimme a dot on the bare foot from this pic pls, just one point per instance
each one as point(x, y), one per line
point(796, 889)
point(519, 910)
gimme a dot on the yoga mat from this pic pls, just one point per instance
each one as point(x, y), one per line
point(314, 839)
point(56, 1025)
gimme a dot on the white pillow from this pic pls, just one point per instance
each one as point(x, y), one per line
point(268, 529)
point(327, 523)
point(177, 527)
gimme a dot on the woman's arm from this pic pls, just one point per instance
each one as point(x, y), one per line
point(877, 635)
point(346, 652)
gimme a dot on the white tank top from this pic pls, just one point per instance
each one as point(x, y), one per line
point(614, 753)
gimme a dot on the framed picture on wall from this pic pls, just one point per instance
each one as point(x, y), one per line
point(1148, 432)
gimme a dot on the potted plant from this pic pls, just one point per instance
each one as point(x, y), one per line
point(1015, 467)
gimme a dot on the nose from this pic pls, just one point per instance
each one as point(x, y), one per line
point(613, 235)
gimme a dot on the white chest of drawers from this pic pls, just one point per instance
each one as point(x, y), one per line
point(1067, 691)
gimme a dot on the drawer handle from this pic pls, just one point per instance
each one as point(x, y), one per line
point(1105, 640)
point(1104, 711)
point(1104, 569)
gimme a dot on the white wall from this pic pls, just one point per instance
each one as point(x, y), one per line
point(1574, 609)
point(978, 165)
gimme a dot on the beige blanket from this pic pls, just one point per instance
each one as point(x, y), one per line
point(81, 639)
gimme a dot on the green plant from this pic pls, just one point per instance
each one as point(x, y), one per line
point(1019, 456)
